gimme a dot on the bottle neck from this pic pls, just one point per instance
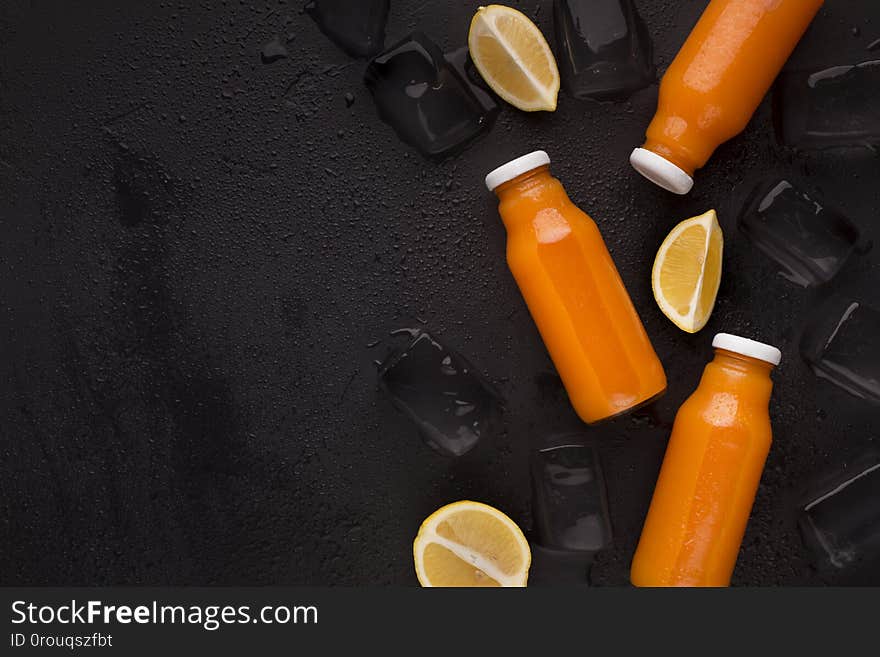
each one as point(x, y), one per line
point(528, 183)
point(685, 158)
point(741, 375)
point(528, 193)
point(686, 141)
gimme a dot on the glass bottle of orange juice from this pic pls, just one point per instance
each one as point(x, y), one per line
point(710, 474)
point(574, 293)
point(716, 82)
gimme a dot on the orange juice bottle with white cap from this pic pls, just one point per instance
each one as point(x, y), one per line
point(574, 293)
point(710, 474)
point(716, 82)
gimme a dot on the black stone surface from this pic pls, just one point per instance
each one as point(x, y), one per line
point(198, 250)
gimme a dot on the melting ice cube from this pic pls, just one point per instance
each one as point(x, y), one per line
point(429, 100)
point(842, 345)
point(841, 524)
point(810, 241)
point(838, 106)
point(568, 499)
point(603, 47)
point(356, 26)
point(452, 405)
point(559, 567)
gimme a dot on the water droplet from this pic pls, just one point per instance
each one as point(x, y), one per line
point(273, 51)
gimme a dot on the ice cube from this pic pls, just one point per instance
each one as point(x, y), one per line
point(428, 102)
point(569, 503)
point(810, 241)
point(842, 345)
point(838, 106)
point(356, 26)
point(841, 524)
point(559, 567)
point(460, 60)
point(439, 390)
point(603, 47)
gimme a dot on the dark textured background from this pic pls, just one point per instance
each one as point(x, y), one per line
point(199, 249)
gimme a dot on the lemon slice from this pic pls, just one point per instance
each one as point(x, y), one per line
point(687, 271)
point(471, 544)
point(513, 57)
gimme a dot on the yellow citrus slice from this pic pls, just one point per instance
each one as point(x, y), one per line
point(687, 271)
point(513, 57)
point(471, 544)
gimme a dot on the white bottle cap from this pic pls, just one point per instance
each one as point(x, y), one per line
point(661, 171)
point(516, 168)
point(746, 347)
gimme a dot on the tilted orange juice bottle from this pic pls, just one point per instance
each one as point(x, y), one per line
point(716, 82)
point(574, 293)
point(710, 474)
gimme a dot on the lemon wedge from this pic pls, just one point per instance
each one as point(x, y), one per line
point(514, 59)
point(687, 271)
point(468, 544)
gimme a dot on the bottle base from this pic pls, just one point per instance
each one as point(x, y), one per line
point(645, 402)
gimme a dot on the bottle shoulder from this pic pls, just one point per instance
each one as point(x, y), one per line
point(724, 409)
point(553, 207)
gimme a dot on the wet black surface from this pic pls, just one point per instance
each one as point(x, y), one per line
point(198, 250)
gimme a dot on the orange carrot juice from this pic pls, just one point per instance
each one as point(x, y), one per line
point(716, 82)
point(574, 293)
point(711, 470)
